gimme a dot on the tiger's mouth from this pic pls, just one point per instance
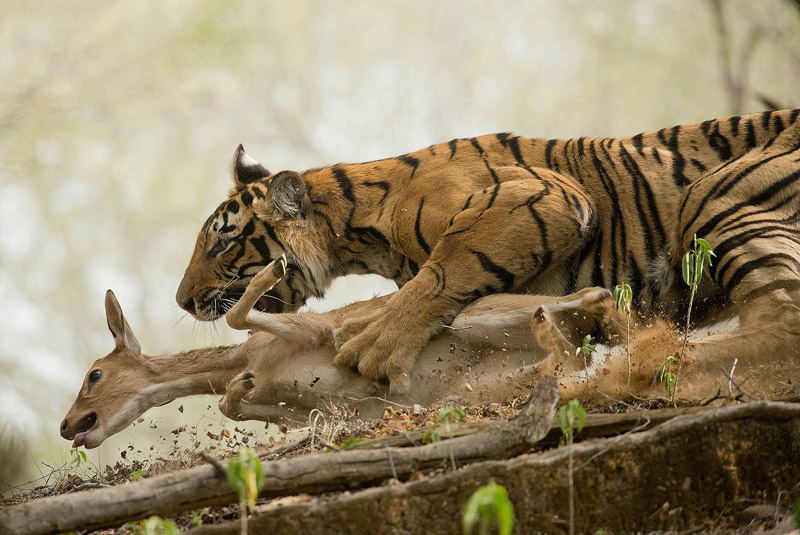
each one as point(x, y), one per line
point(270, 302)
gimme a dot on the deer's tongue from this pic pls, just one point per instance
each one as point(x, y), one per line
point(79, 439)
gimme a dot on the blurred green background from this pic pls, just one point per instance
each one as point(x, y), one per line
point(118, 121)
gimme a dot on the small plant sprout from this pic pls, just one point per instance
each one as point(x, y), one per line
point(487, 505)
point(447, 415)
point(451, 414)
point(692, 270)
point(155, 526)
point(196, 518)
point(431, 436)
point(78, 457)
point(667, 376)
point(586, 349)
point(623, 296)
point(246, 477)
point(571, 416)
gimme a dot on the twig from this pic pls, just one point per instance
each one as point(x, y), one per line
point(739, 388)
point(730, 377)
point(456, 328)
point(84, 486)
point(380, 399)
point(218, 468)
point(391, 463)
point(410, 438)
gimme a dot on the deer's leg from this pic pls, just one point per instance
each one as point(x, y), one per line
point(251, 397)
point(242, 386)
point(307, 329)
point(241, 316)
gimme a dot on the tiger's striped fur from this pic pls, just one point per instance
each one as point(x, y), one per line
point(502, 213)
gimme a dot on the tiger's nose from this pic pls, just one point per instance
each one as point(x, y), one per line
point(189, 305)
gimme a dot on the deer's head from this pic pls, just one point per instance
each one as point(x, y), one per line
point(117, 389)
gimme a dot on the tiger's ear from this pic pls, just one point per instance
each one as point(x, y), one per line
point(287, 198)
point(245, 169)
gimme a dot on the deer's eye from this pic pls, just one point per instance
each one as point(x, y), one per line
point(95, 375)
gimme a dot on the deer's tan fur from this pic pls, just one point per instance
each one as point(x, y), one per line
point(493, 350)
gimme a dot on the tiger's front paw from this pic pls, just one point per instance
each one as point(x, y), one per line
point(381, 347)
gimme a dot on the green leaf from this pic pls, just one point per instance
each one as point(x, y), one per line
point(581, 417)
point(158, 526)
point(687, 267)
point(451, 414)
point(350, 443)
point(562, 422)
point(618, 296)
point(489, 502)
point(431, 437)
point(469, 515)
point(504, 510)
point(246, 475)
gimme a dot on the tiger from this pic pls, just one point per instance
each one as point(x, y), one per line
point(499, 213)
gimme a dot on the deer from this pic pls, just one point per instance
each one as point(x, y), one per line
point(285, 368)
point(496, 348)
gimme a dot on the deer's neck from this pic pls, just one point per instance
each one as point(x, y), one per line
point(197, 371)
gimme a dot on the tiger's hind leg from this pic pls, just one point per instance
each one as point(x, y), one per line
point(749, 212)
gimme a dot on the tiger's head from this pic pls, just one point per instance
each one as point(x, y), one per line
point(265, 216)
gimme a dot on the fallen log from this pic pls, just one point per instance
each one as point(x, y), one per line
point(318, 473)
point(596, 425)
point(675, 477)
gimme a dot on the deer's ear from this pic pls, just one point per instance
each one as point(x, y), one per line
point(245, 169)
point(120, 330)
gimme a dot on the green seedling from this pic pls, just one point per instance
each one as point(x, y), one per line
point(155, 526)
point(487, 505)
point(448, 415)
point(667, 376)
point(78, 457)
point(195, 519)
point(344, 446)
point(796, 511)
point(692, 269)
point(586, 349)
point(623, 297)
point(571, 416)
point(246, 477)
point(451, 414)
point(431, 436)
point(350, 443)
